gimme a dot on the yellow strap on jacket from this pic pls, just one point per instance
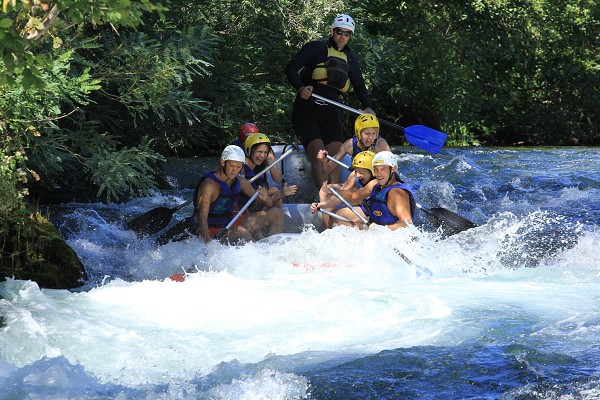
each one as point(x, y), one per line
point(334, 71)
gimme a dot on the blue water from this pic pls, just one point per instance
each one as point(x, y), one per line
point(510, 310)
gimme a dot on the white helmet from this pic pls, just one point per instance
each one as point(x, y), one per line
point(343, 21)
point(233, 153)
point(385, 158)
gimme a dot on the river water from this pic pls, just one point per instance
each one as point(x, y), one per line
point(509, 309)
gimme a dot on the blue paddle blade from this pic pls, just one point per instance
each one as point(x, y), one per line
point(425, 138)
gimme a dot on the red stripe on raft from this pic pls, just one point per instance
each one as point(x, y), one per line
point(177, 277)
point(309, 267)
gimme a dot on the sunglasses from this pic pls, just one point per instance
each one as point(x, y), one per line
point(341, 32)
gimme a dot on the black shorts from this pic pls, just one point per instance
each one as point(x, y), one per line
point(312, 121)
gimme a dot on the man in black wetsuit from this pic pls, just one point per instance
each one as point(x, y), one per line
point(327, 68)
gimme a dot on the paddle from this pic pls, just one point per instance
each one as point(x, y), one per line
point(418, 135)
point(158, 218)
point(180, 277)
point(450, 222)
point(334, 215)
point(222, 232)
point(343, 200)
point(154, 220)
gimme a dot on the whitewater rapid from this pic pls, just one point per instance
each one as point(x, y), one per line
point(511, 306)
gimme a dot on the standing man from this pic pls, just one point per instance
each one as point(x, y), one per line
point(327, 69)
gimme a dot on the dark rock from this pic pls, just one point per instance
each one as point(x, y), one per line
point(37, 252)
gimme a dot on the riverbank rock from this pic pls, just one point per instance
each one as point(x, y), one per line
point(37, 252)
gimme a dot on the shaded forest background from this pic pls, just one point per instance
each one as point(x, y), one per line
point(97, 94)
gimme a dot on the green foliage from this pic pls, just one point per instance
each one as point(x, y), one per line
point(12, 177)
point(258, 39)
point(26, 30)
point(81, 84)
point(153, 74)
point(507, 71)
point(123, 171)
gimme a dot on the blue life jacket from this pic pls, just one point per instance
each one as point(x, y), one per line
point(220, 212)
point(365, 205)
point(249, 173)
point(379, 212)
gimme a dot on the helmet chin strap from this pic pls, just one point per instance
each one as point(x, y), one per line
point(389, 176)
point(224, 169)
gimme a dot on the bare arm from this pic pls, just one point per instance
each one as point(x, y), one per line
point(352, 197)
point(382, 145)
point(207, 194)
point(249, 190)
point(328, 165)
point(398, 202)
point(350, 182)
point(274, 171)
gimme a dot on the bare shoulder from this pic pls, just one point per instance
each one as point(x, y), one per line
point(347, 146)
point(209, 188)
point(382, 145)
point(399, 193)
point(368, 188)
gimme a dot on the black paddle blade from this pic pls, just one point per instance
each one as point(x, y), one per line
point(152, 221)
point(450, 222)
point(178, 232)
point(155, 220)
point(221, 233)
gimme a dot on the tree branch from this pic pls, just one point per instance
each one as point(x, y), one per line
point(47, 23)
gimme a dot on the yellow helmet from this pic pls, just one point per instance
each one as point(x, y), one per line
point(365, 121)
point(364, 159)
point(255, 139)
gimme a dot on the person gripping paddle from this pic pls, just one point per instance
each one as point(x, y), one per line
point(215, 199)
point(391, 201)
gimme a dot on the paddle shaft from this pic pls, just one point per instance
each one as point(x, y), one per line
point(453, 220)
point(335, 160)
point(222, 232)
point(334, 215)
point(182, 205)
point(355, 111)
point(268, 167)
point(343, 200)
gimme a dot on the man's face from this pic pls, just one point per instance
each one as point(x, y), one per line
point(232, 168)
point(341, 36)
point(382, 173)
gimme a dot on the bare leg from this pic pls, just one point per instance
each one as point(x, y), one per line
point(271, 218)
point(273, 192)
point(346, 212)
point(235, 235)
point(315, 164)
point(325, 195)
point(276, 218)
point(332, 148)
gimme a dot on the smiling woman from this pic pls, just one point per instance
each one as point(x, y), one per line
point(260, 156)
